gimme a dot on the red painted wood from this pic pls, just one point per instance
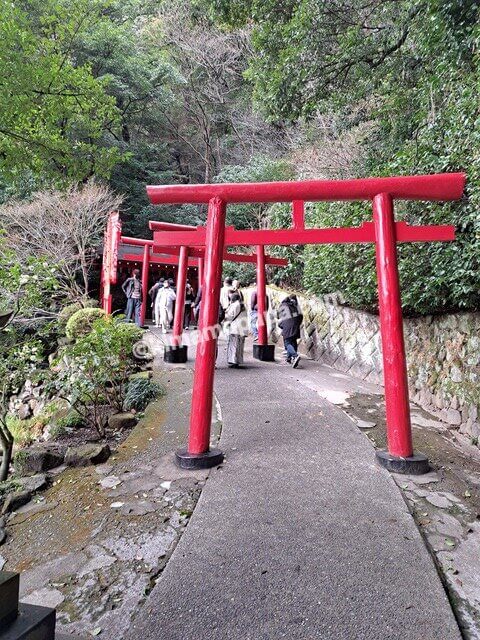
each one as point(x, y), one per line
point(261, 296)
point(136, 242)
point(201, 265)
point(199, 252)
point(180, 302)
point(145, 266)
point(159, 259)
point(423, 233)
point(154, 225)
point(444, 186)
point(298, 214)
point(202, 397)
point(399, 431)
point(364, 233)
point(113, 232)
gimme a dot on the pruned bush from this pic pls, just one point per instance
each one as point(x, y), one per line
point(95, 371)
point(140, 392)
point(66, 313)
point(81, 322)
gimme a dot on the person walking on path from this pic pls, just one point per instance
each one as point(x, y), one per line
point(132, 288)
point(236, 288)
point(164, 307)
point(189, 300)
point(236, 318)
point(196, 305)
point(154, 290)
point(290, 321)
point(225, 293)
point(254, 312)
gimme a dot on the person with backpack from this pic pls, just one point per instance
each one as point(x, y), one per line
point(290, 321)
point(236, 318)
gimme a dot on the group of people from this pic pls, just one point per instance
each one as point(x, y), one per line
point(163, 296)
point(235, 322)
point(233, 315)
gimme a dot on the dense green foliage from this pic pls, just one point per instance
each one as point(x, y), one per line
point(81, 322)
point(28, 293)
point(140, 392)
point(408, 71)
point(93, 372)
point(53, 112)
point(139, 92)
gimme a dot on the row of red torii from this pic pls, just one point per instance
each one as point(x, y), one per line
point(209, 244)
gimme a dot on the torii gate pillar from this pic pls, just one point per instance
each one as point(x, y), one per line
point(262, 350)
point(176, 352)
point(397, 401)
point(198, 454)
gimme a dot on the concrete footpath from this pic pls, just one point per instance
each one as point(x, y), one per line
point(299, 534)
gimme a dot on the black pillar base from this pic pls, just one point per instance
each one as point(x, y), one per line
point(264, 352)
point(176, 355)
point(414, 465)
point(193, 461)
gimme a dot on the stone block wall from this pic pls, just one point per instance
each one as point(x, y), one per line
point(443, 354)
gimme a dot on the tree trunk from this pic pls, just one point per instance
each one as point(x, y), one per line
point(85, 277)
point(6, 444)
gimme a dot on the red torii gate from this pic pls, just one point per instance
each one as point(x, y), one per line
point(182, 256)
point(262, 350)
point(173, 255)
point(383, 231)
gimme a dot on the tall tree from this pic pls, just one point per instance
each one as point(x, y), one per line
point(53, 111)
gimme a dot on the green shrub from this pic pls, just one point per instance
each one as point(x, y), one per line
point(140, 392)
point(98, 368)
point(89, 303)
point(81, 322)
point(9, 486)
point(72, 420)
point(65, 314)
point(21, 430)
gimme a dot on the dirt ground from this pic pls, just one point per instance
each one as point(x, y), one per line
point(94, 543)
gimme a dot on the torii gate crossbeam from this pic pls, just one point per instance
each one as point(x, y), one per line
point(384, 232)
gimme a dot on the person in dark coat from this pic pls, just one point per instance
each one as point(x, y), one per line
point(196, 305)
point(189, 302)
point(290, 321)
point(154, 290)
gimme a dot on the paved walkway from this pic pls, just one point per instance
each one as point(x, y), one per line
point(299, 535)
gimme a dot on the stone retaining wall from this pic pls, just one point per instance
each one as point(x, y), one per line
point(443, 354)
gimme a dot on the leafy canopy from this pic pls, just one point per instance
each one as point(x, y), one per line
point(53, 111)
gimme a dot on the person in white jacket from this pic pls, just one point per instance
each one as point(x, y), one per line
point(237, 321)
point(164, 307)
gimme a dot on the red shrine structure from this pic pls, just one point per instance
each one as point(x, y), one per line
point(383, 231)
point(122, 252)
